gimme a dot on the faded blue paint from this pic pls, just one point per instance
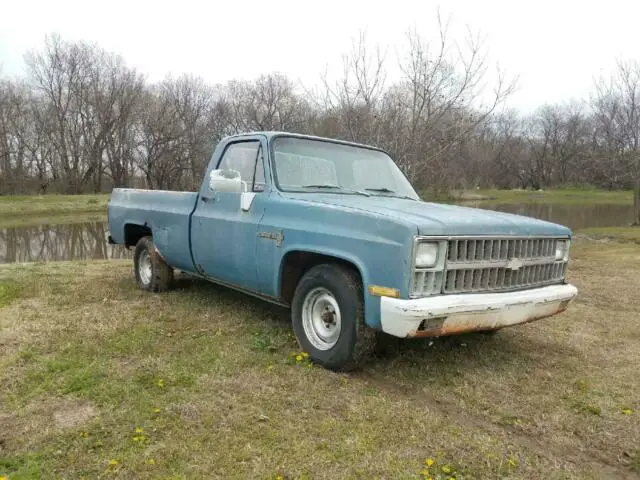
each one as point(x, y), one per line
point(165, 212)
point(436, 218)
point(223, 237)
point(374, 233)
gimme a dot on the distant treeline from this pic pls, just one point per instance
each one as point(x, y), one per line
point(81, 120)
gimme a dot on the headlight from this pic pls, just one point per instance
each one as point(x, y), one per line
point(562, 250)
point(426, 255)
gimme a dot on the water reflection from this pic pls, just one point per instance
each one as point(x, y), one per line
point(75, 241)
point(572, 216)
point(83, 241)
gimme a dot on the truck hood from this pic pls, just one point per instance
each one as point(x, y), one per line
point(439, 219)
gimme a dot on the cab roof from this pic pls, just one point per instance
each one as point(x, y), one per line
point(270, 134)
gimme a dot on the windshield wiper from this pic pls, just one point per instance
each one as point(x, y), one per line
point(337, 187)
point(388, 190)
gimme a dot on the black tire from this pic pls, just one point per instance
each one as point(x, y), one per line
point(355, 342)
point(161, 274)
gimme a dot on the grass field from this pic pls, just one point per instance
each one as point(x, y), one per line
point(102, 380)
point(15, 208)
point(560, 196)
point(53, 205)
point(617, 234)
point(67, 218)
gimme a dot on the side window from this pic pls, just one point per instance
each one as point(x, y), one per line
point(246, 158)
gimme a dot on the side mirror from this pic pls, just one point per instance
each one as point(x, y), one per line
point(230, 181)
point(225, 181)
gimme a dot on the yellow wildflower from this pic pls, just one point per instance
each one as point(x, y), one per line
point(428, 462)
point(299, 358)
point(113, 461)
point(156, 410)
point(139, 430)
point(269, 367)
point(151, 461)
point(160, 383)
point(304, 354)
point(627, 411)
point(446, 469)
point(83, 434)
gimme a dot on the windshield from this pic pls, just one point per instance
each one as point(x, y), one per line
point(303, 164)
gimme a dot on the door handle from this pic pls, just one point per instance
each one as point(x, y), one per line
point(205, 199)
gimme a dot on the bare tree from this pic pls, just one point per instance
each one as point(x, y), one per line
point(159, 137)
point(87, 96)
point(617, 106)
point(354, 100)
point(444, 84)
point(81, 120)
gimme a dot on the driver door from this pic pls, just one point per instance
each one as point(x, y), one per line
point(224, 224)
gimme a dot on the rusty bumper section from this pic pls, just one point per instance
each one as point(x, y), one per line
point(454, 314)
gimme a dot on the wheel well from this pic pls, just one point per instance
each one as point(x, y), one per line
point(296, 263)
point(133, 233)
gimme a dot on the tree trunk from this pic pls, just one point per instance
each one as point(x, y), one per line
point(636, 202)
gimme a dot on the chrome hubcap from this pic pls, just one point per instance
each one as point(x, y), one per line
point(144, 267)
point(321, 318)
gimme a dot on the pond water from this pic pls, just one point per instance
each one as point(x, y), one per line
point(84, 241)
point(67, 241)
point(573, 216)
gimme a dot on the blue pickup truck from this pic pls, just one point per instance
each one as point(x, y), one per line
point(334, 231)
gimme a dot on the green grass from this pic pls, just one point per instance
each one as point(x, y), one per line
point(52, 219)
point(102, 379)
point(560, 196)
point(17, 207)
point(9, 291)
point(619, 234)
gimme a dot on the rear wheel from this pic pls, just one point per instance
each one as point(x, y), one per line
point(151, 271)
point(327, 314)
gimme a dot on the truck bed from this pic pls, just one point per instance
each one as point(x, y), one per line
point(166, 213)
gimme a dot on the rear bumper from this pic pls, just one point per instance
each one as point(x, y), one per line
point(453, 314)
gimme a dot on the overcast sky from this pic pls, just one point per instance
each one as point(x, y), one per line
point(555, 47)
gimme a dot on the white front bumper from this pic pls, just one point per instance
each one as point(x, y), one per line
point(453, 314)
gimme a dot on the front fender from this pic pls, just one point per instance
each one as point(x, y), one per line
point(371, 302)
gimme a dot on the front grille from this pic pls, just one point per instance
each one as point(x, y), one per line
point(501, 264)
point(489, 264)
point(471, 250)
point(427, 282)
point(502, 279)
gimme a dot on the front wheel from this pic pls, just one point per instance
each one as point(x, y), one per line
point(151, 271)
point(327, 314)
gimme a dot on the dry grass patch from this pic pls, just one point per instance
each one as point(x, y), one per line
point(202, 382)
point(559, 196)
